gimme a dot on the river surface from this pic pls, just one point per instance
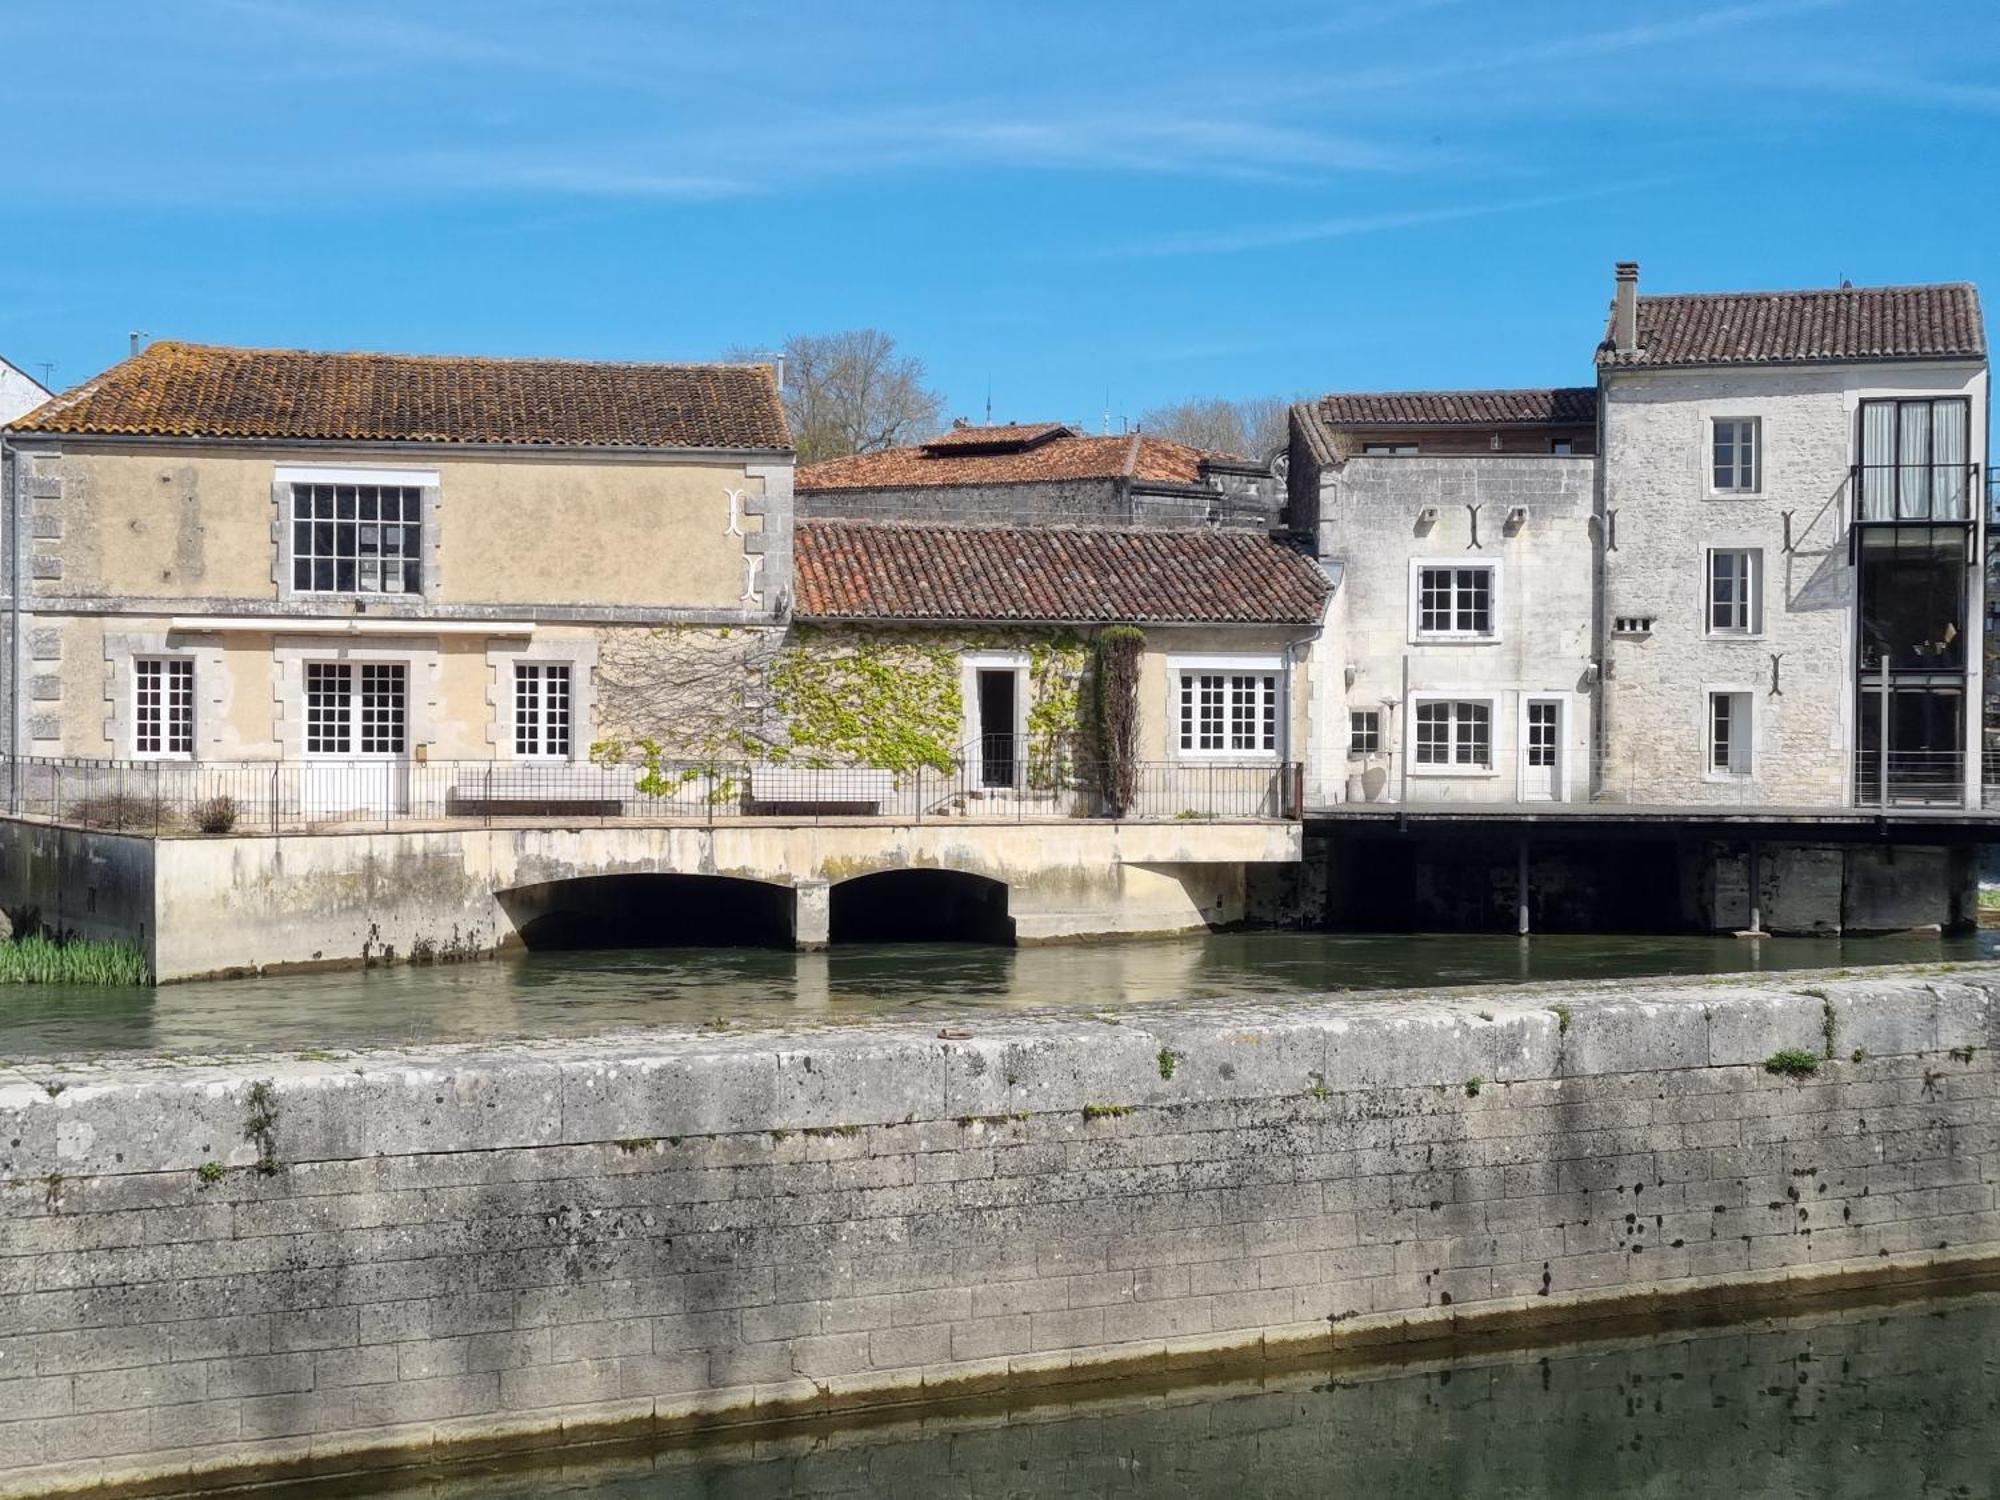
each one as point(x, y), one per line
point(577, 993)
point(1901, 1402)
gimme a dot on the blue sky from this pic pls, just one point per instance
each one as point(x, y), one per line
point(1082, 205)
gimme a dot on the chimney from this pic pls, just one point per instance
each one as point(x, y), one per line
point(1625, 309)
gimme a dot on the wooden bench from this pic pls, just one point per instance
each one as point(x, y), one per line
point(458, 805)
point(855, 788)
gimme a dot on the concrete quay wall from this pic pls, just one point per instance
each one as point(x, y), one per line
point(327, 1262)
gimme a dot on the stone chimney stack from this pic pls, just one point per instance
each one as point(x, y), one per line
point(1625, 309)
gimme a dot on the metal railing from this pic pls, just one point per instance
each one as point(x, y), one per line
point(1915, 780)
point(176, 797)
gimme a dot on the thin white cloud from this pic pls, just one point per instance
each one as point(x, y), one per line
point(1284, 236)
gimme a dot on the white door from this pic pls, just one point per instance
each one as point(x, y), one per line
point(357, 739)
point(1541, 750)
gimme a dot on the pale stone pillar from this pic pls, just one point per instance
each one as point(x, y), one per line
point(812, 915)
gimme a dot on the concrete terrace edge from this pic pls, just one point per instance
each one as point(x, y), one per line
point(257, 1135)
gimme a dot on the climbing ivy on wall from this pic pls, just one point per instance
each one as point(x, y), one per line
point(821, 697)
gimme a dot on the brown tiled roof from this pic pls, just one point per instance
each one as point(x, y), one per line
point(1940, 321)
point(1563, 406)
point(1012, 436)
point(1065, 456)
point(887, 570)
point(201, 390)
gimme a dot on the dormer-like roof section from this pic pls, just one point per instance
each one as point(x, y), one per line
point(1840, 325)
point(181, 390)
point(969, 456)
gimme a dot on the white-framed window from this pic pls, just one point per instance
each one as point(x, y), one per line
point(1388, 450)
point(1454, 601)
point(1364, 731)
point(1735, 454)
point(542, 709)
point(1228, 712)
point(1544, 725)
point(354, 531)
point(1562, 447)
point(1735, 591)
point(357, 708)
point(1454, 734)
point(1729, 734)
point(163, 707)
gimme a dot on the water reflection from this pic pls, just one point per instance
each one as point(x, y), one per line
point(1897, 1402)
point(552, 994)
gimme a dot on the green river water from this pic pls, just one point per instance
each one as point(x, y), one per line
point(576, 993)
point(1883, 1403)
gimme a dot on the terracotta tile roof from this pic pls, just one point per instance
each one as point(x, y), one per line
point(1940, 321)
point(1066, 455)
point(887, 570)
point(200, 390)
point(1564, 406)
point(1012, 437)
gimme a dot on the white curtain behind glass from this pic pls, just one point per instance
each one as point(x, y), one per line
point(1878, 452)
point(1948, 453)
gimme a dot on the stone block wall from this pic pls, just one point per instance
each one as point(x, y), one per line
point(333, 1260)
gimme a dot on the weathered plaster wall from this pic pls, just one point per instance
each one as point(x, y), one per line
point(290, 1261)
point(90, 885)
point(1371, 522)
point(248, 902)
point(194, 523)
point(1657, 480)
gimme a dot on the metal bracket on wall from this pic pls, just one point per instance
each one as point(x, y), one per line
point(1788, 531)
point(1611, 531)
point(1776, 690)
point(1473, 511)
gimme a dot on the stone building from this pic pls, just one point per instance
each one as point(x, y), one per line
point(1792, 510)
point(1039, 474)
point(1457, 526)
point(333, 654)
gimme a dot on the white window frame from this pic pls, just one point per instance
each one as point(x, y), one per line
point(1755, 427)
point(1561, 703)
point(1391, 450)
point(357, 674)
point(1748, 724)
point(1272, 698)
point(542, 714)
point(1414, 717)
point(168, 666)
point(1373, 730)
point(1752, 604)
point(1420, 636)
point(424, 481)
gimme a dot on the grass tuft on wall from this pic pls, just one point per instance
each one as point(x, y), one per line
point(44, 960)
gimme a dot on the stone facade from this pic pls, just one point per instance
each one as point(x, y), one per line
point(1798, 662)
point(1380, 519)
point(1238, 497)
point(217, 1266)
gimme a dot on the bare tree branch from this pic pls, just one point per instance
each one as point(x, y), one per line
point(1252, 428)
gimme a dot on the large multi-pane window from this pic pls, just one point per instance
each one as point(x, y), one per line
point(356, 708)
point(1915, 460)
point(541, 709)
point(357, 539)
point(163, 707)
point(1734, 455)
point(1733, 579)
point(1455, 602)
point(1455, 733)
point(1229, 713)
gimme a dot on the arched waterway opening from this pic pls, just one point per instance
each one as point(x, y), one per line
point(920, 906)
point(651, 911)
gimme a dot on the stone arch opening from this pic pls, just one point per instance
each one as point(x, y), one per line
point(651, 911)
point(920, 906)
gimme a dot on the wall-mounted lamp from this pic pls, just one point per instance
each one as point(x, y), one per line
point(1517, 518)
point(1590, 674)
point(1349, 673)
point(1427, 518)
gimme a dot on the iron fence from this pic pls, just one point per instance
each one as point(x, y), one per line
point(175, 797)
